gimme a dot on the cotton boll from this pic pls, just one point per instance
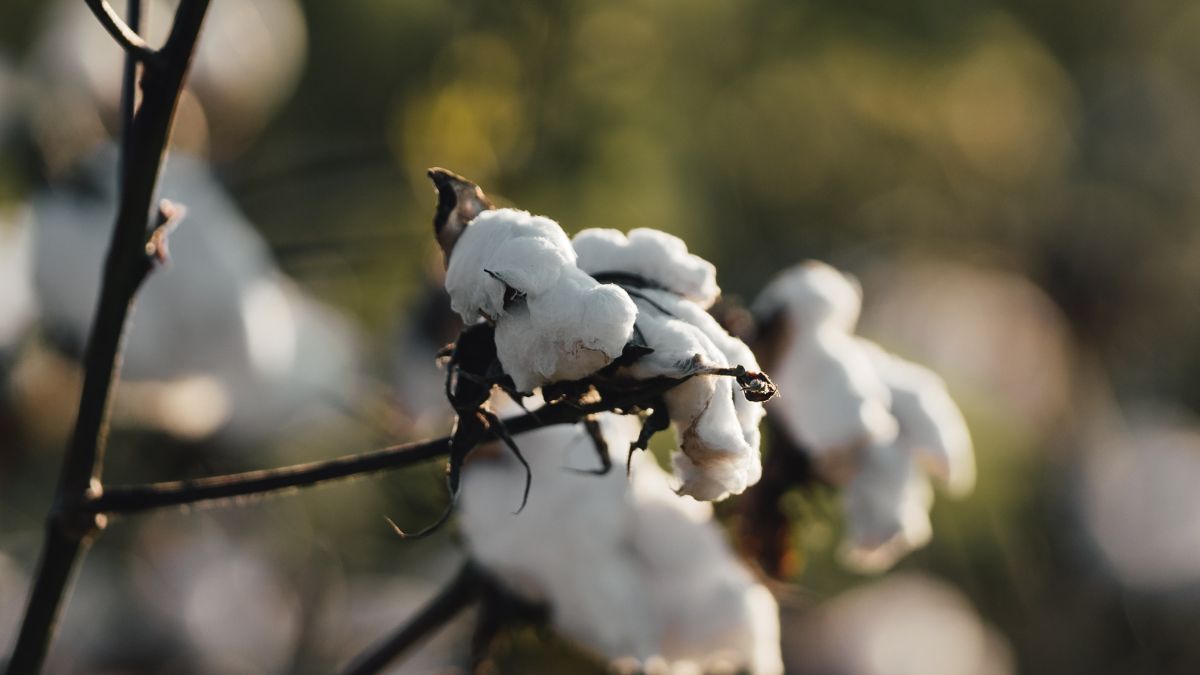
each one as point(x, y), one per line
point(17, 306)
point(598, 597)
point(553, 321)
point(886, 509)
point(629, 570)
point(566, 333)
point(832, 400)
point(932, 428)
point(219, 309)
point(902, 624)
point(246, 66)
point(712, 609)
point(718, 457)
point(656, 256)
point(812, 294)
point(505, 247)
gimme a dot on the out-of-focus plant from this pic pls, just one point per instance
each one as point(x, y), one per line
point(605, 327)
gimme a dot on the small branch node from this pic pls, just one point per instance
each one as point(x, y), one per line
point(126, 37)
point(169, 216)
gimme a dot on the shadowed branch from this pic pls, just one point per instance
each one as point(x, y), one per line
point(70, 526)
point(237, 488)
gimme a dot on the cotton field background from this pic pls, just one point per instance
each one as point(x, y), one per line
point(1005, 197)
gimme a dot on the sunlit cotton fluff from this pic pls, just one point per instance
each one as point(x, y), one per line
point(553, 321)
point(832, 400)
point(634, 573)
point(653, 255)
point(932, 428)
point(887, 502)
point(903, 624)
point(716, 426)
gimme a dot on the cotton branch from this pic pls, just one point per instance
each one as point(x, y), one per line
point(466, 588)
point(70, 526)
point(255, 484)
point(127, 37)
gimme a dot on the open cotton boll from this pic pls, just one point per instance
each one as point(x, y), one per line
point(833, 401)
point(886, 508)
point(553, 321)
point(932, 428)
point(717, 458)
point(505, 246)
point(566, 333)
point(715, 616)
point(633, 572)
point(812, 294)
point(654, 255)
point(597, 594)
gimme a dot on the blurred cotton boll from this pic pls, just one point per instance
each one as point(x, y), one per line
point(245, 67)
point(629, 570)
point(993, 333)
point(17, 304)
point(14, 585)
point(868, 420)
point(222, 596)
point(1140, 503)
point(232, 338)
point(833, 401)
point(903, 625)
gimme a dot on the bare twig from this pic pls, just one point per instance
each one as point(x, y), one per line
point(254, 484)
point(464, 590)
point(70, 526)
point(125, 35)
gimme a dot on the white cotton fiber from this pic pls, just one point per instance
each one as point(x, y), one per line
point(813, 293)
point(870, 420)
point(560, 324)
point(932, 428)
point(656, 256)
point(717, 428)
point(832, 400)
point(630, 571)
point(886, 508)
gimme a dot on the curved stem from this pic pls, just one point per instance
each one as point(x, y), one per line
point(464, 590)
point(125, 35)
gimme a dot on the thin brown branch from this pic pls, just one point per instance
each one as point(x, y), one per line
point(125, 35)
point(463, 591)
point(70, 527)
point(238, 488)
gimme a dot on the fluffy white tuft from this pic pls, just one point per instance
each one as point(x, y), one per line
point(870, 420)
point(832, 399)
point(560, 324)
point(716, 426)
point(886, 507)
point(932, 428)
point(653, 255)
point(636, 574)
point(813, 293)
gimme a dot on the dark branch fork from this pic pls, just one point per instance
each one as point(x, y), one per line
point(70, 525)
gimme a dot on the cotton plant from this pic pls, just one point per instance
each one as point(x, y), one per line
point(637, 576)
point(868, 421)
point(838, 404)
point(629, 307)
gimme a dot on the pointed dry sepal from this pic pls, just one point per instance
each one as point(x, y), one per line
point(459, 201)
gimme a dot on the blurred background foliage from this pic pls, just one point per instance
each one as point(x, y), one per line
point(1017, 184)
